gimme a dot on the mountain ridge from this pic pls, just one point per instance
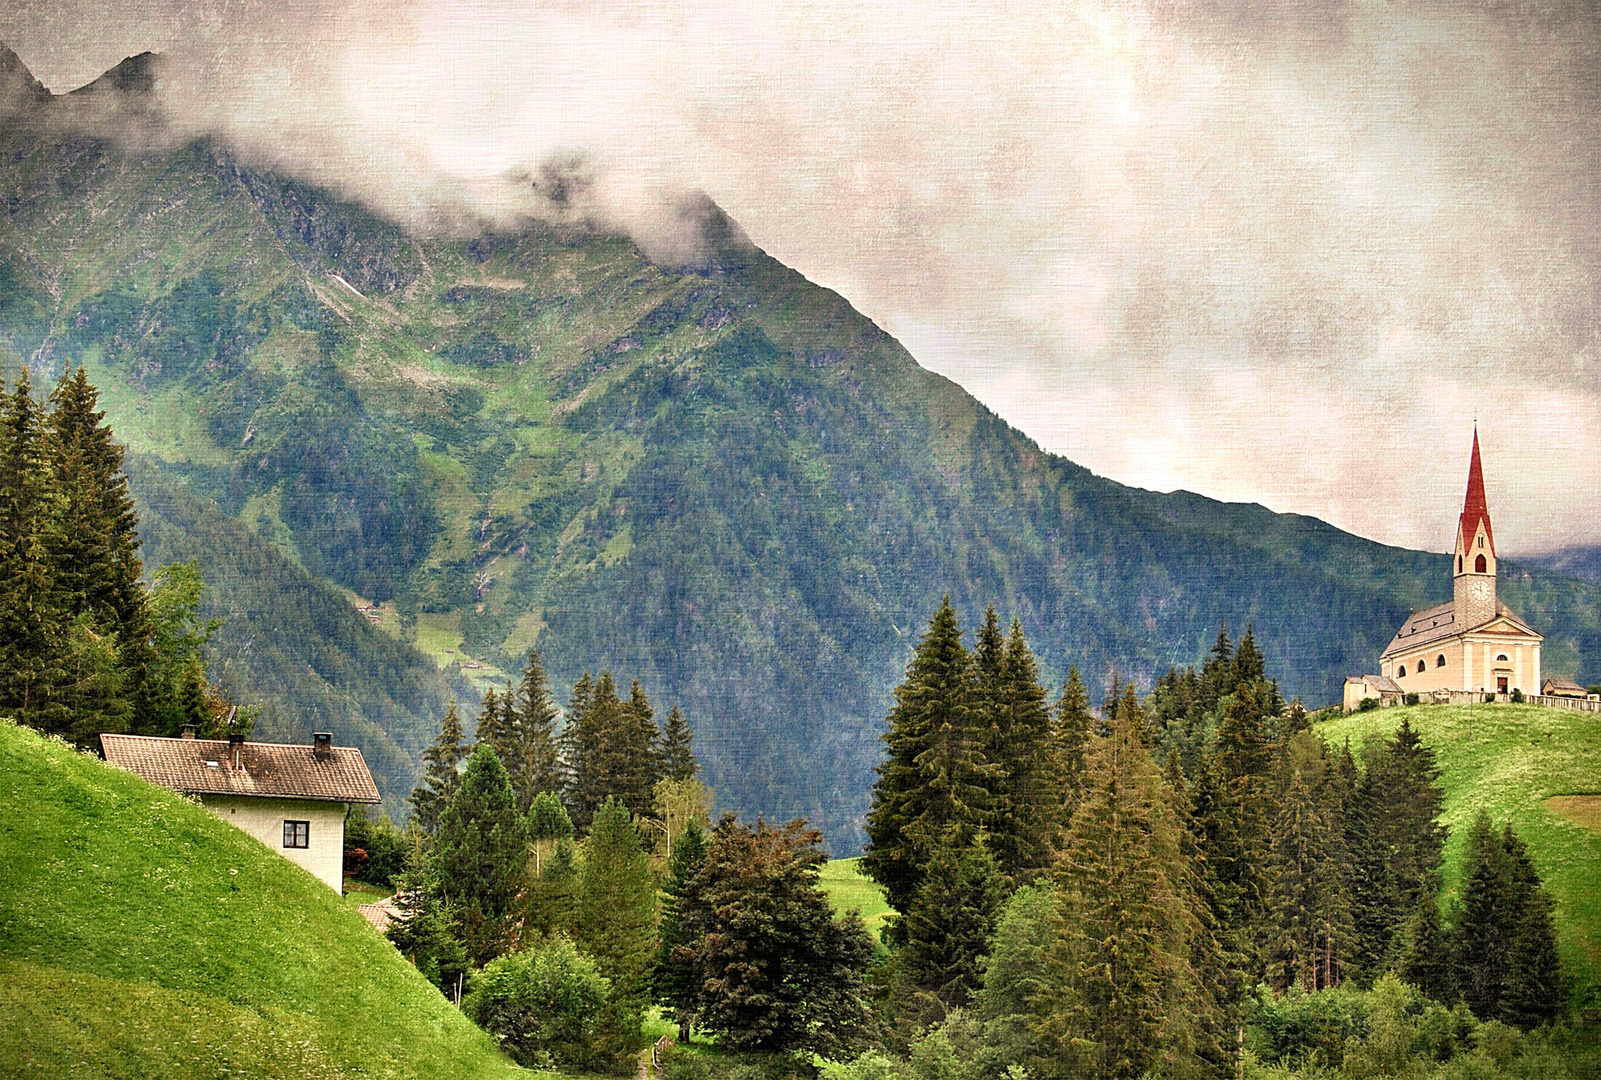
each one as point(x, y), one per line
point(719, 478)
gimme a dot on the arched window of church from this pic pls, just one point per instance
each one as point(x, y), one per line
point(1479, 565)
point(1441, 661)
point(1402, 673)
point(1500, 658)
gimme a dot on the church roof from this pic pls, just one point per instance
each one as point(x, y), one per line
point(1474, 506)
point(1439, 623)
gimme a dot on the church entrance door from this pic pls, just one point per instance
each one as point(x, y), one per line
point(1500, 683)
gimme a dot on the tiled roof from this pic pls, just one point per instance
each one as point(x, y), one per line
point(1422, 627)
point(1566, 684)
point(380, 914)
point(270, 770)
point(1474, 507)
point(1436, 623)
point(1382, 683)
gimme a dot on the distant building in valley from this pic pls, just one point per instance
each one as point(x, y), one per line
point(292, 798)
point(1473, 643)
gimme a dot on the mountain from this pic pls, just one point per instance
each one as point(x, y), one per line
point(142, 936)
point(1580, 561)
point(720, 479)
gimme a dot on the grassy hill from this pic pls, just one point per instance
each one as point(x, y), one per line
point(142, 937)
point(1523, 764)
point(719, 478)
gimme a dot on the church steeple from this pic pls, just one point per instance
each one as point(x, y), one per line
point(1474, 569)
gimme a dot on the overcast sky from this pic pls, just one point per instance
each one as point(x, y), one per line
point(1274, 253)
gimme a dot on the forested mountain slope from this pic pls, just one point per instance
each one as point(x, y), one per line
point(720, 479)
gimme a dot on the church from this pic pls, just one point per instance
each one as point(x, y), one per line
point(1473, 643)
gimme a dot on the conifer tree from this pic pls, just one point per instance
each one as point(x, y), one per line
point(97, 567)
point(936, 776)
point(33, 661)
point(548, 825)
point(1071, 735)
point(1130, 923)
point(490, 730)
point(1029, 788)
point(1310, 924)
point(946, 931)
point(1397, 844)
point(1237, 829)
point(441, 773)
point(616, 911)
point(1534, 987)
point(1217, 671)
point(551, 903)
point(611, 749)
point(1248, 663)
point(530, 748)
point(1507, 962)
point(480, 857)
point(670, 977)
point(765, 965)
point(1426, 960)
point(678, 756)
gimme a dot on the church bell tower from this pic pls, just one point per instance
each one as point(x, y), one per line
point(1474, 576)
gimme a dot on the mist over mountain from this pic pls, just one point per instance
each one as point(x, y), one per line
point(707, 473)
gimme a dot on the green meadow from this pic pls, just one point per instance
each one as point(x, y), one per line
point(1523, 764)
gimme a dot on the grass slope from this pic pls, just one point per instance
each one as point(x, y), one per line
point(851, 890)
point(1509, 760)
point(141, 936)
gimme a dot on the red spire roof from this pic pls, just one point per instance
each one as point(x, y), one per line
point(1474, 506)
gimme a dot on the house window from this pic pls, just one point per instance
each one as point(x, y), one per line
point(297, 834)
point(1402, 673)
point(1479, 565)
point(1440, 662)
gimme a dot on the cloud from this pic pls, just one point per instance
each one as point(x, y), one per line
point(1269, 251)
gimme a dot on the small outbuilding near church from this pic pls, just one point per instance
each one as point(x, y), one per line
point(291, 797)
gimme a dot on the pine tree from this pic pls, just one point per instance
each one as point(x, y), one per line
point(936, 776)
point(1534, 987)
point(490, 730)
point(1248, 664)
point(1396, 846)
point(616, 913)
point(1130, 924)
point(1310, 925)
point(97, 567)
point(1217, 672)
point(551, 903)
point(441, 773)
point(611, 749)
point(946, 931)
point(1237, 826)
point(1071, 736)
point(1426, 960)
point(1029, 789)
point(33, 659)
point(766, 966)
point(528, 738)
point(548, 825)
point(1507, 961)
point(480, 857)
point(678, 757)
point(671, 977)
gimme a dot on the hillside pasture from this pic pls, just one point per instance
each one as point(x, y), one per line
point(1540, 769)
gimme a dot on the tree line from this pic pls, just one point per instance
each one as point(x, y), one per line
point(86, 644)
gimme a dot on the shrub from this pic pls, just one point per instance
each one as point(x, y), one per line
point(547, 1006)
point(1368, 704)
point(1517, 696)
point(1411, 699)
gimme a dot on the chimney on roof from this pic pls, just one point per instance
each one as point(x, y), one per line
point(236, 746)
point(189, 731)
point(322, 745)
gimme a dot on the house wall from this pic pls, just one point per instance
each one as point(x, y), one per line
point(264, 819)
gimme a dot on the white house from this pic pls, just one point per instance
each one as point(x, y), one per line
point(292, 798)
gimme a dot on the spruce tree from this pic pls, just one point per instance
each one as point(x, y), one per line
point(551, 903)
point(611, 749)
point(1071, 733)
point(529, 739)
point(1534, 987)
point(548, 825)
point(678, 756)
point(1488, 910)
point(936, 776)
point(480, 858)
point(946, 931)
point(33, 619)
point(1309, 922)
point(441, 773)
point(1030, 788)
point(1426, 958)
point(1131, 923)
point(96, 544)
point(670, 976)
point(616, 911)
point(765, 964)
